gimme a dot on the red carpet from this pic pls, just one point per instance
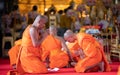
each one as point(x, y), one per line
point(4, 67)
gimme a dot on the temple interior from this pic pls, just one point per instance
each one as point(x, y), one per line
point(99, 18)
point(103, 15)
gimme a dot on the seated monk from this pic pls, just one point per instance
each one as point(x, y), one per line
point(91, 53)
point(29, 57)
point(52, 48)
point(13, 53)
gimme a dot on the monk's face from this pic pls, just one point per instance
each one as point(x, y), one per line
point(41, 24)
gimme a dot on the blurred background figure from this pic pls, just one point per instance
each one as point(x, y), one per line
point(32, 14)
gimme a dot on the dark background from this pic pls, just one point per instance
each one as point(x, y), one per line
point(5, 6)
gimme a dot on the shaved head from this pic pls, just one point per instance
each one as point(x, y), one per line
point(40, 21)
point(69, 36)
point(68, 33)
point(40, 17)
point(37, 20)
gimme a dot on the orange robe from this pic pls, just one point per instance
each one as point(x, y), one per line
point(52, 47)
point(118, 73)
point(93, 53)
point(73, 47)
point(29, 57)
point(13, 52)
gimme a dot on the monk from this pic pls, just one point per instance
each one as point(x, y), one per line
point(13, 53)
point(55, 49)
point(91, 53)
point(29, 56)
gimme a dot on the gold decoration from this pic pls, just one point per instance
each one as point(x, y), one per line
point(26, 5)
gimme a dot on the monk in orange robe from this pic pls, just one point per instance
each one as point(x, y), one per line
point(90, 51)
point(29, 56)
point(13, 53)
point(52, 48)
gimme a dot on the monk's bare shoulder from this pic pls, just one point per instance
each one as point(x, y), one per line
point(32, 30)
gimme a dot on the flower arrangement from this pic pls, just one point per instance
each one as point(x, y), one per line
point(103, 24)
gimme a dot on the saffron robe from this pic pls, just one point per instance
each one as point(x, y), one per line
point(29, 57)
point(51, 47)
point(73, 47)
point(93, 53)
point(13, 52)
point(118, 73)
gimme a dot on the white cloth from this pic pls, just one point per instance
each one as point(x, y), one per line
point(92, 31)
point(53, 70)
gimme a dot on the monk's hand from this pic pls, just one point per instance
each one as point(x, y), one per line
point(44, 34)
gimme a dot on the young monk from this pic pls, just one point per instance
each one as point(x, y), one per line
point(29, 56)
point(91, 53)
point(55, 49)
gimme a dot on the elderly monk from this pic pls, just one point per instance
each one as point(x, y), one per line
point(91, 53)
point(55, 49)
point(13, 53)
point(29, 57)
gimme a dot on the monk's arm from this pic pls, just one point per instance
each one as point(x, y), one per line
point(64, 46)
point(89, 47)
point(34, 36)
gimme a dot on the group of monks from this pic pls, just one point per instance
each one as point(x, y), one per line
point(39, 50)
